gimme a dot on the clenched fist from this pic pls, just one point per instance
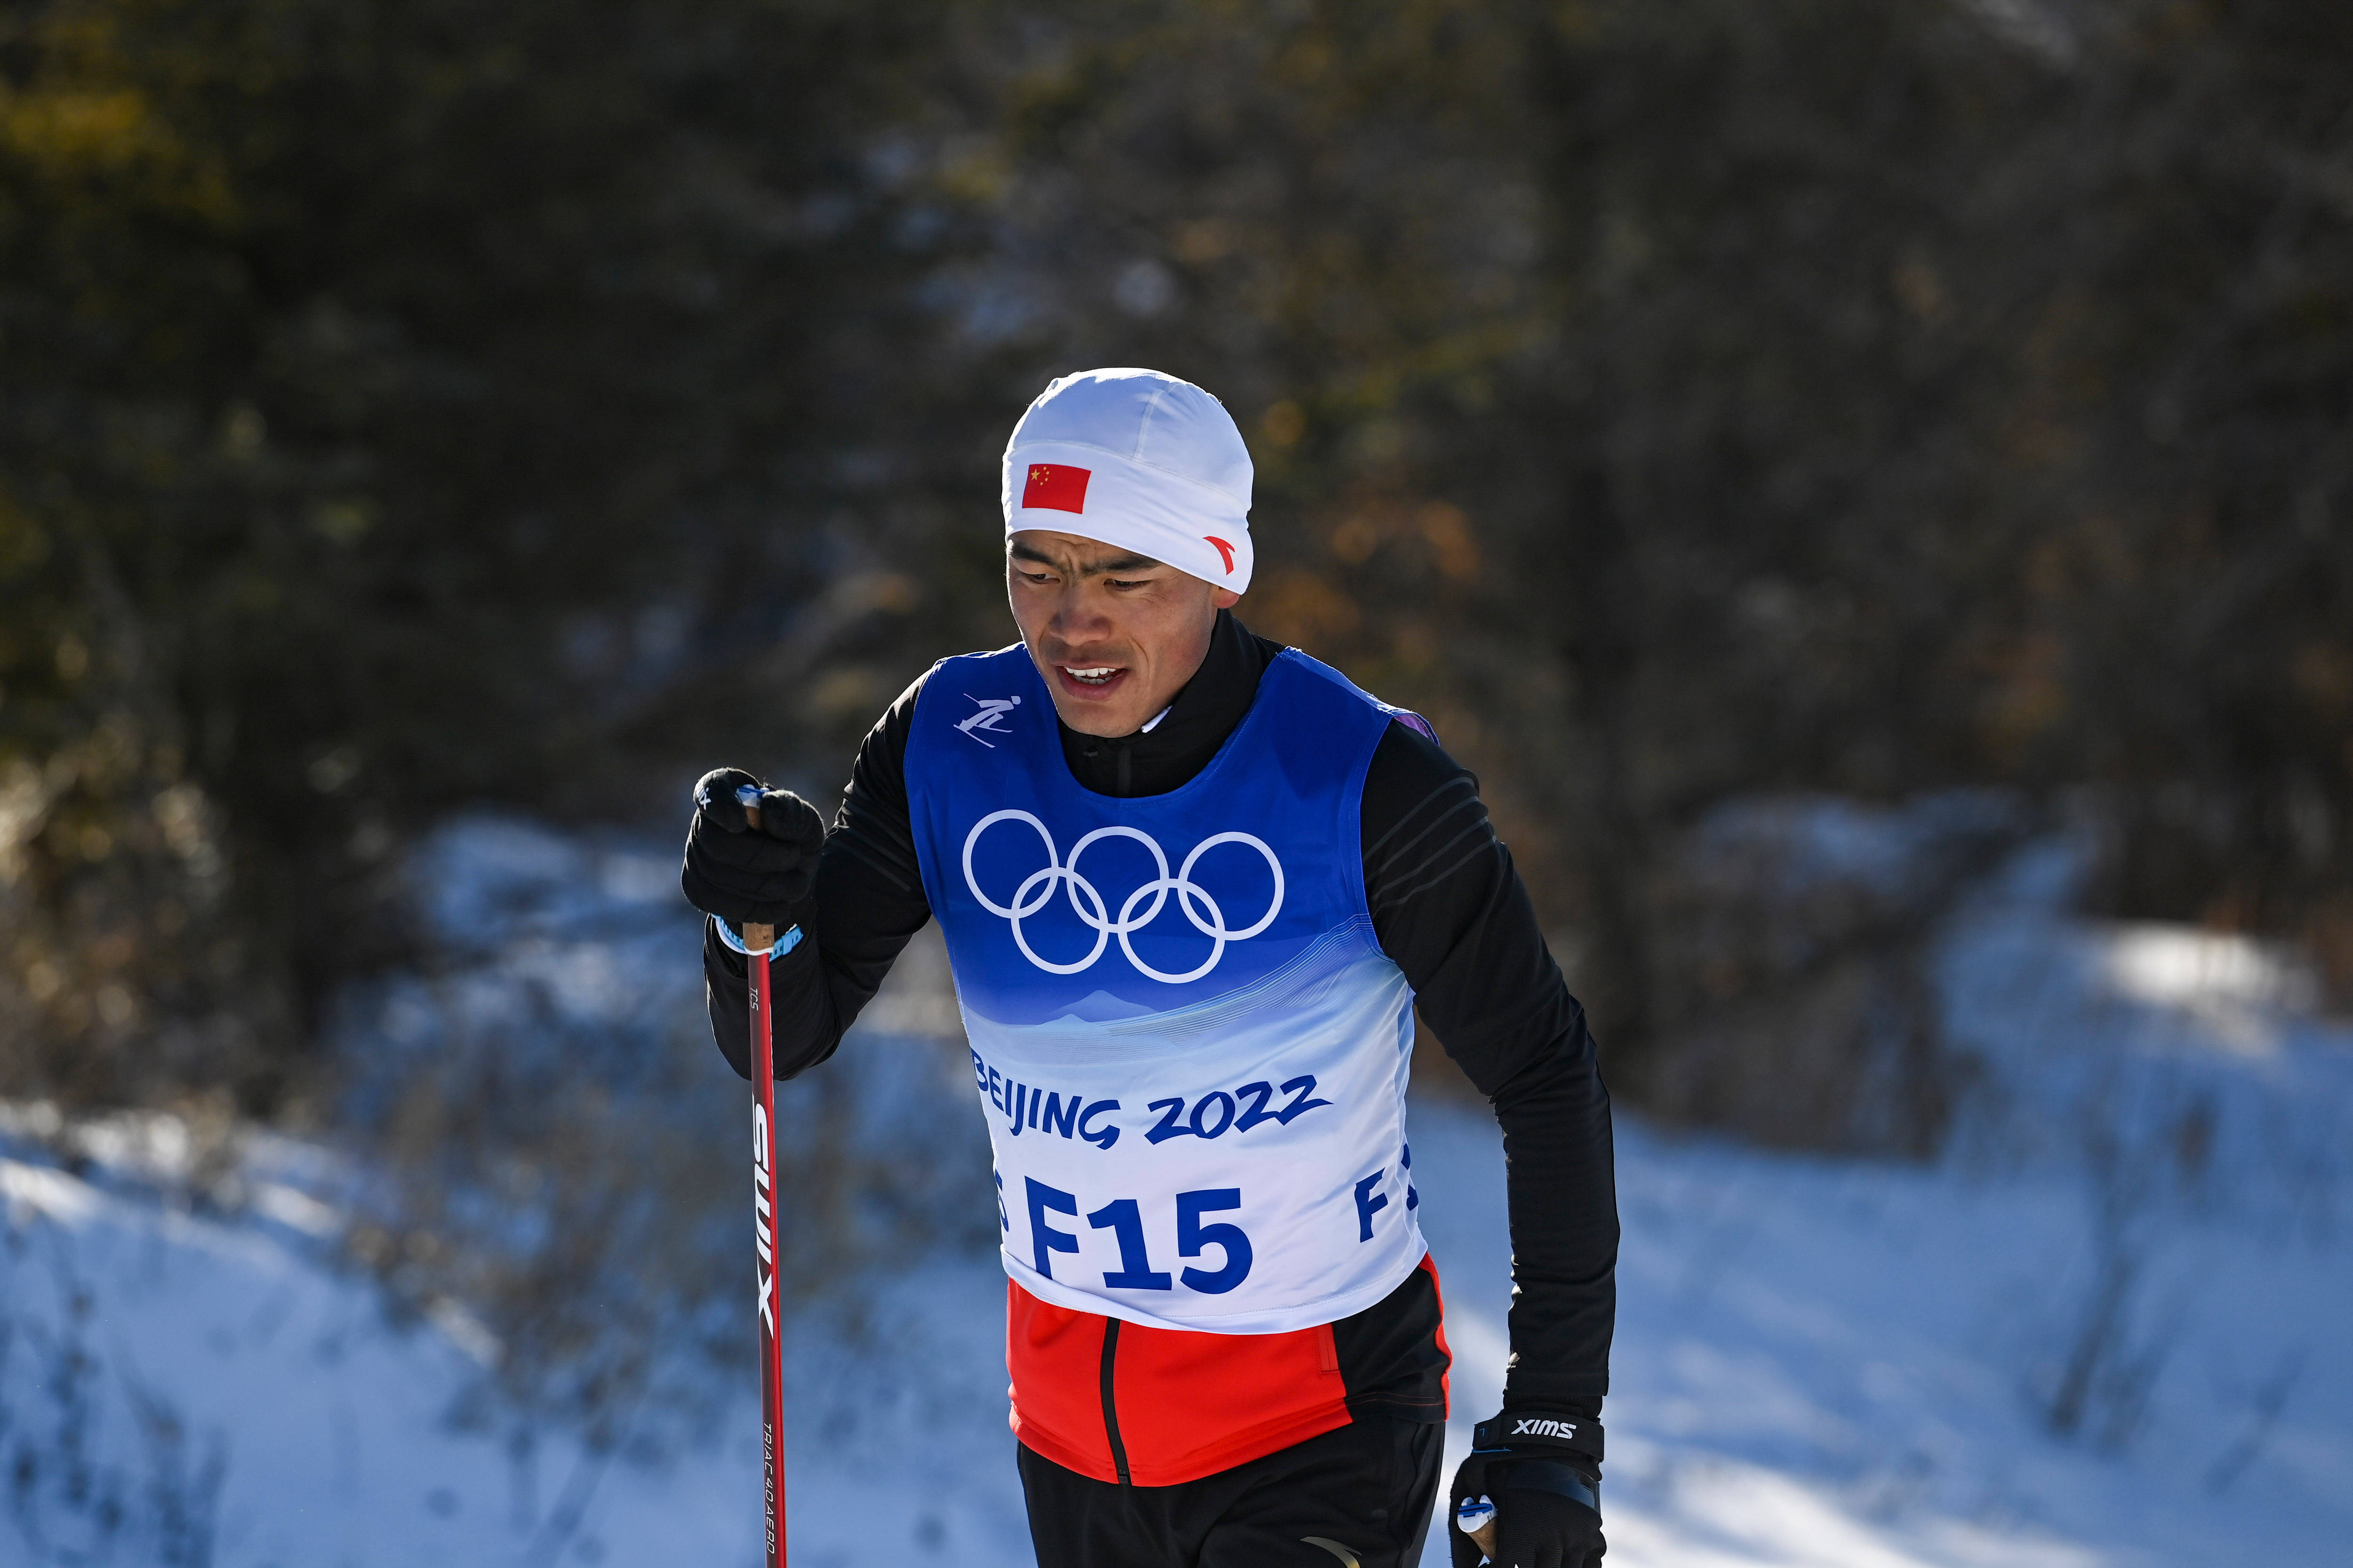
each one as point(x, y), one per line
point(741, 873)
point(1530, 1494)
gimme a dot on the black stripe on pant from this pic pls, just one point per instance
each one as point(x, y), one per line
point(1358, 1495)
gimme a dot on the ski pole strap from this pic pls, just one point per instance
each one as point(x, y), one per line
point(1521, 1430)
point(790, 940)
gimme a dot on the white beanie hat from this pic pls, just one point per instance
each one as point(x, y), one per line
point(1139, 459)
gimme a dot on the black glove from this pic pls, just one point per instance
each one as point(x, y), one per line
point(741, 875)
point(1540, 1475)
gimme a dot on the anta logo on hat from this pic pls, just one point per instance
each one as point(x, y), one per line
point(1057, 487)
point(1224, 550)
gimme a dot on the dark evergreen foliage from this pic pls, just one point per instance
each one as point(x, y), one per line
point(410, 405)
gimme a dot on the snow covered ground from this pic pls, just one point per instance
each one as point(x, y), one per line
point(1828, 1363)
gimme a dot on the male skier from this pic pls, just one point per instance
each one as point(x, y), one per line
point(1193, 885)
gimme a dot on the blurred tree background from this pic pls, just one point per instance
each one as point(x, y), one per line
point(416, 406)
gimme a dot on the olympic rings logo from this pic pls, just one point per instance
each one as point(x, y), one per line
point(1037, 890)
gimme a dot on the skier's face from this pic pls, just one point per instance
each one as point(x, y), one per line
point(1116, 635)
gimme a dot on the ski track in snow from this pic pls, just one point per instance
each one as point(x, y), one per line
point(1819, 1362)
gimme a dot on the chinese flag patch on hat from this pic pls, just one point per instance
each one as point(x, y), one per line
point(1057, 486)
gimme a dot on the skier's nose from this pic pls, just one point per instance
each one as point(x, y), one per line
point(1078, 617)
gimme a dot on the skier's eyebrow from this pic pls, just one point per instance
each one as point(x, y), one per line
point(1118, 566)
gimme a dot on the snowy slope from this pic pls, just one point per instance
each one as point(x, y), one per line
point(185, 1390)
point(1830, 1362)
point(1818, 1363)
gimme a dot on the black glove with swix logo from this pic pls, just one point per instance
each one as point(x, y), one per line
point(1530, 1494)
point(740, 873)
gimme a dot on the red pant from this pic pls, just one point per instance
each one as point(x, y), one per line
point(1119, 1402)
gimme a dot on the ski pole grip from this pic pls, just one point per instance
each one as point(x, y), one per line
point(757, 937)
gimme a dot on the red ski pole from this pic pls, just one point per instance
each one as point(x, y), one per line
point(760, 939)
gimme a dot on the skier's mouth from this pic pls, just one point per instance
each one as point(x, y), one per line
point(1091, 680)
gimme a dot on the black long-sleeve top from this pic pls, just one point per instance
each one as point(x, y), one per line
point(1447, 906)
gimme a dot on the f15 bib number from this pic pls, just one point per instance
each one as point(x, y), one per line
point(1123, 1217)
